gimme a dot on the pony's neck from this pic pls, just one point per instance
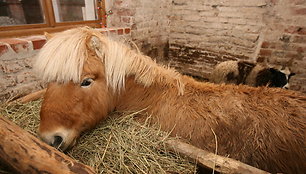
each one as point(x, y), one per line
point(147, 72)
point(129, 63)
point(136, 97)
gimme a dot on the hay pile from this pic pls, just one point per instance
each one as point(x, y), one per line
point(119, 145)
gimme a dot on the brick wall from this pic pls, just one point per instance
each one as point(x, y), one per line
point(16, 60)
point(204, 33)
point(214, 31)
point(16, 55)
point(284, 38)
point(193, 35)
point(149, 21)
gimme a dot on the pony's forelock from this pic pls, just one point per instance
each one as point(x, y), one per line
point(63, 57)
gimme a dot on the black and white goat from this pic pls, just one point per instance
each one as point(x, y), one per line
point(252, 74)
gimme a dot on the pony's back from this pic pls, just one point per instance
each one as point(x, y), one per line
point(263, 127)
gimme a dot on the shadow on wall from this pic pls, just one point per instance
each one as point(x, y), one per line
point(160, 52)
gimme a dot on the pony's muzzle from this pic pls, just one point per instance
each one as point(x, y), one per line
point(60, 139)
point(57, 141)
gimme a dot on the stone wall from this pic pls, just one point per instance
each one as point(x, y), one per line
point(16, 59)
point(204, 33)
point(149, 21)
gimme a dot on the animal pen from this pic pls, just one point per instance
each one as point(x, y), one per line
point(190, 37)
point(101, 57)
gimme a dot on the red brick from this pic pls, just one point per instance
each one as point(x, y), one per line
point(3, 49)
point(299, 39)
point(291, 29)
point(125, 12)
point(291, 55)
point(265, 44)
point(120, 31)
point(16, 47)
point(118, 2)
point(125, 19)
point(298, 2)
point(113, 31)
point(265, 52)
point(300, 11)
point(276, 45)
point(16, 43)
point(38, 44)
point(301, 49)
point(272, 45)
point(127, 30)
point(12, 41)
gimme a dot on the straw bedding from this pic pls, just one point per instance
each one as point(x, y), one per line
point(119, 145)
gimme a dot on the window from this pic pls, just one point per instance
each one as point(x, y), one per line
point(25, 17)
point(83, 10)
point(15, 12)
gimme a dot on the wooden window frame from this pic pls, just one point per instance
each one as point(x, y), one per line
point(51, 25)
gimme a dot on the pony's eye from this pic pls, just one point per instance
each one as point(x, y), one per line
point(86, 82)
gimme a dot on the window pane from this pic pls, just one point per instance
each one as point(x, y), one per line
point(76, 10)
point(20, 12)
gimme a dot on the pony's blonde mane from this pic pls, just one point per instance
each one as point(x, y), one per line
point(63, 57)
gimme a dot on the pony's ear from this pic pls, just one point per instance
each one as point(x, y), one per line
point(95, 44)
point(48, 35)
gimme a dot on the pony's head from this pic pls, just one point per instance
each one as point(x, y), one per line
point(77, 96)
point(70, 108)
point(86, 73)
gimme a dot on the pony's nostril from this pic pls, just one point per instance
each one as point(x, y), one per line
point(58, 140)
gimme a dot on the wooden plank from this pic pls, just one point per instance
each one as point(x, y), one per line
point(210, 160)
point(27, 154)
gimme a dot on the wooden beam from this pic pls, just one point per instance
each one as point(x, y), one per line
point(32, 96)
point(27, 154)
point(210, 160)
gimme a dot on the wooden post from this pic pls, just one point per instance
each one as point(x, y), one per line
point(27, 154)
point(210, 160)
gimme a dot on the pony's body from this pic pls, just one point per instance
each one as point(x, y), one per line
point(259, 126)
point(248, 122)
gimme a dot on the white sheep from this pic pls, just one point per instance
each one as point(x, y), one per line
point(252, 74)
